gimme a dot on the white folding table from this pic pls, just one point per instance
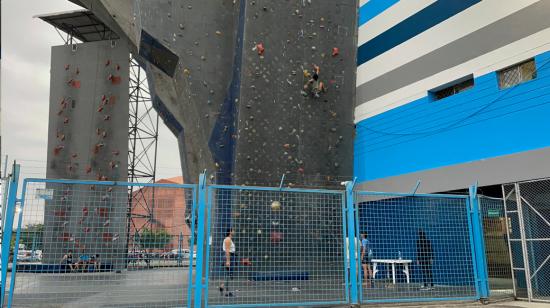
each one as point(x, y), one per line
point(393, 263)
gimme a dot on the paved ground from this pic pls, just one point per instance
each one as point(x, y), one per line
point(167, 287)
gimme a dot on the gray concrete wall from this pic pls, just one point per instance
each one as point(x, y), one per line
point(87, 140)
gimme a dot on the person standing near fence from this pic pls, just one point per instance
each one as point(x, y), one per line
point(365, 259)
point(424, 259)
point(229, 250)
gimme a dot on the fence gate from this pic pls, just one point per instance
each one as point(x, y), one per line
point(528, 212)
point(74, 245)
point(418, 247)
point(289, 247)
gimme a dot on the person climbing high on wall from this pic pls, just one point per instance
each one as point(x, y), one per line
point(314, 86)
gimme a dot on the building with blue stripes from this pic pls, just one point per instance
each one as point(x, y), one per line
point(451, 92)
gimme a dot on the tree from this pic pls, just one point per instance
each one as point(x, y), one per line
point(31, 236)
point(154, 239)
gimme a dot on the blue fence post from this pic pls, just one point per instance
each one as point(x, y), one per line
point(350, 206)
point(201, 229)
point(479, 245)
point(192, 241)
point(8, 228)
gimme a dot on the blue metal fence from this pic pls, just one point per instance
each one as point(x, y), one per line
point(84, 244)
point(416, 247)
point(287, 247)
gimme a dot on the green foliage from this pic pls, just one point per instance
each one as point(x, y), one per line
point(154, 239)
point(31, 236)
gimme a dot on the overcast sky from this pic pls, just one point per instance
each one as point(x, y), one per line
point(26, 43)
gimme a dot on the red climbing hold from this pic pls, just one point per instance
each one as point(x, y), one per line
point(98, 147)
point(335, 51)
point(103, 212)
point(301, 170)
point(74, 155)
point(108, 63)
point(65, 237)
point(276, 237)
point(84, 212)
point(107, 237)
point(88, 169)
point(100, 109)
point(58, 149)
point(260, 49)
point(67, 66)
point(115, 79)
point(60, 213)
point(246, 262)
point(116, 152)
point(74, 83)
point(65, 120)
point(112, 164)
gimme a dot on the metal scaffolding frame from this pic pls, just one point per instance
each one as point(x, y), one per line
point(142, 152)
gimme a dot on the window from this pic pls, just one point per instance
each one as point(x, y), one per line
point(453, 89)
point(517, 74)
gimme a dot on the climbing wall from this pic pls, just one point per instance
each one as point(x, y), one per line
point(279, 130)
point(229, 86)
point(87, 140)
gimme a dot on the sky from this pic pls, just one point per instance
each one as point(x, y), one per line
point(26, 43)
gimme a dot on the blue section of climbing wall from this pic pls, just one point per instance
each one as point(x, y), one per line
point(478, 123)
point(222, 140)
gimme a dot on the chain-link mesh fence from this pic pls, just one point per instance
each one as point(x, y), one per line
point(535, 203)
point(528, 211)
point(414, 247)
point(270, 246)
point(495, 233)
point(79, 246)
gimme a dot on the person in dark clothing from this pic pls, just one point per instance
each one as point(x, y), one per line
point(424, 259)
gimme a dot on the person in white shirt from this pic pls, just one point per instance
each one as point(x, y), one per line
point(229, 249)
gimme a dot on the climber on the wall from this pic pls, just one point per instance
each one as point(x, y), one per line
point(314, 86)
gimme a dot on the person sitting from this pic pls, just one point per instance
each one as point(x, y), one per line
point(68, 260)
point(83, 260)
point(94, 260)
